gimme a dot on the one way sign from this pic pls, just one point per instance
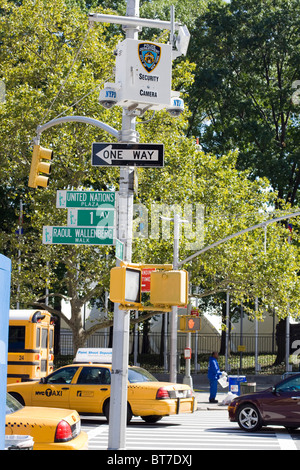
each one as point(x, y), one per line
point(127, 154)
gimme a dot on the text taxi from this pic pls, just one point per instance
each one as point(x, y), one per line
point(85, 387)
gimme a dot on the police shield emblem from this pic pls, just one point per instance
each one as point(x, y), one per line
point(149, 55)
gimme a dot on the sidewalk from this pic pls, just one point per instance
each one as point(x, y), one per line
point(201, 387)
point(203, 401)
point(201, 390)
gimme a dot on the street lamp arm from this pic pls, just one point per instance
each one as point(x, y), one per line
point(82, 119)
point(249, 229)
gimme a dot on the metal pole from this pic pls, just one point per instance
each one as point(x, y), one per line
point(287, 339)
point(166, 316)
point(287, 344)
point(82, 119)
point(256, 337)
point(134, 22)
point(241, 339)
point(135, 340)
point(187, 379)
point(227, 331)
point(174, 313)
point(20, 227)
point(237, 234)
point(119, 376)
point(196, 345)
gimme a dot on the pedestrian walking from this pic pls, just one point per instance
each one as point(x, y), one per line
point(214, 374)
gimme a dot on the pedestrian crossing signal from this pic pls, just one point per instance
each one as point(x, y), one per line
point(189, 323)
point(169, 288)
point(125, 286)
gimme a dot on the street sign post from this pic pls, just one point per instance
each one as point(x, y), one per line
point(78, 235)
point(91, 217)
point(5, 278)
point(127, 154)
point(85, 199)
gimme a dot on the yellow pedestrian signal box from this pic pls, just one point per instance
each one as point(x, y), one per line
point(38, 166)
point(169, 288)
point(125, 286)
point(189, 323)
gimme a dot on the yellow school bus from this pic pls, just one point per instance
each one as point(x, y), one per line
point(30, 345)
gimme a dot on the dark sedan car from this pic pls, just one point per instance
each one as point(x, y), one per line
point(278, 405)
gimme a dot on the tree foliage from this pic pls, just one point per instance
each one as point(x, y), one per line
point(248, 60)
point(53, 64)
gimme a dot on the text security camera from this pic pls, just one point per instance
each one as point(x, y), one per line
point(176, 108)
point(108, 96)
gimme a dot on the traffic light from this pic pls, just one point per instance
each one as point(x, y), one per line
point(37, 167)
point(189, 323)
point(125, 285)
point(169, 288)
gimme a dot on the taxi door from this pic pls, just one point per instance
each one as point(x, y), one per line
point(92, 388)
point(54, 390)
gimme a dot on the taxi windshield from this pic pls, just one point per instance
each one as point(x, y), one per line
point(136, 374)
point(12, 404)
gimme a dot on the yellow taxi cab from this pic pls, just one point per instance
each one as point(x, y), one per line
point(85, 387)
point(50, 429)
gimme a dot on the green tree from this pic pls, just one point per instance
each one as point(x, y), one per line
point(248, 60)
point(39, 42)
point(39, 45)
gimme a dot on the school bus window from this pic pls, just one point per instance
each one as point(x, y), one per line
point(16, 340)
point(44, 338)
point(38, 337)
point(51, 339)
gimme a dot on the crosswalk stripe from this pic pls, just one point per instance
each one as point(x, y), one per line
point(286, 442)
point(201, 431)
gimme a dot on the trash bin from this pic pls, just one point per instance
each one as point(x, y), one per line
point(18, 442)
point(234, 382)
point(247, 388)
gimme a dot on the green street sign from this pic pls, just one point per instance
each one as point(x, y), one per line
point(78, 235)
point(85, 199)
point(91, 218)
point(119, 249)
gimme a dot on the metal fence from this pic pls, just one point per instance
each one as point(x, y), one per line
point(200, 344)
point(150, 353)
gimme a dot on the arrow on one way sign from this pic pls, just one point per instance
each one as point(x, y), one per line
point(127, 154)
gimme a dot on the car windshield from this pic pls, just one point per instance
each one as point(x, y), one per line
point(12, 404)
point(136, 374)
point(290, 385)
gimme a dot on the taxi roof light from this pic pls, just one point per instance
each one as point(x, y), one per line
point(94, 355)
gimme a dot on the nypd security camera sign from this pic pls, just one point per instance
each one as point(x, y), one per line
point(144, 73)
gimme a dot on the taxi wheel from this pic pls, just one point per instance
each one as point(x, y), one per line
point(106, 411)
point(151, 419)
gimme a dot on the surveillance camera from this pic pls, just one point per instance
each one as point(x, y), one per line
point(108, 96)
point(176, 107)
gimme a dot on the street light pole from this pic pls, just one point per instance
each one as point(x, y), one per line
point(174, 314)
point(119, 373)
